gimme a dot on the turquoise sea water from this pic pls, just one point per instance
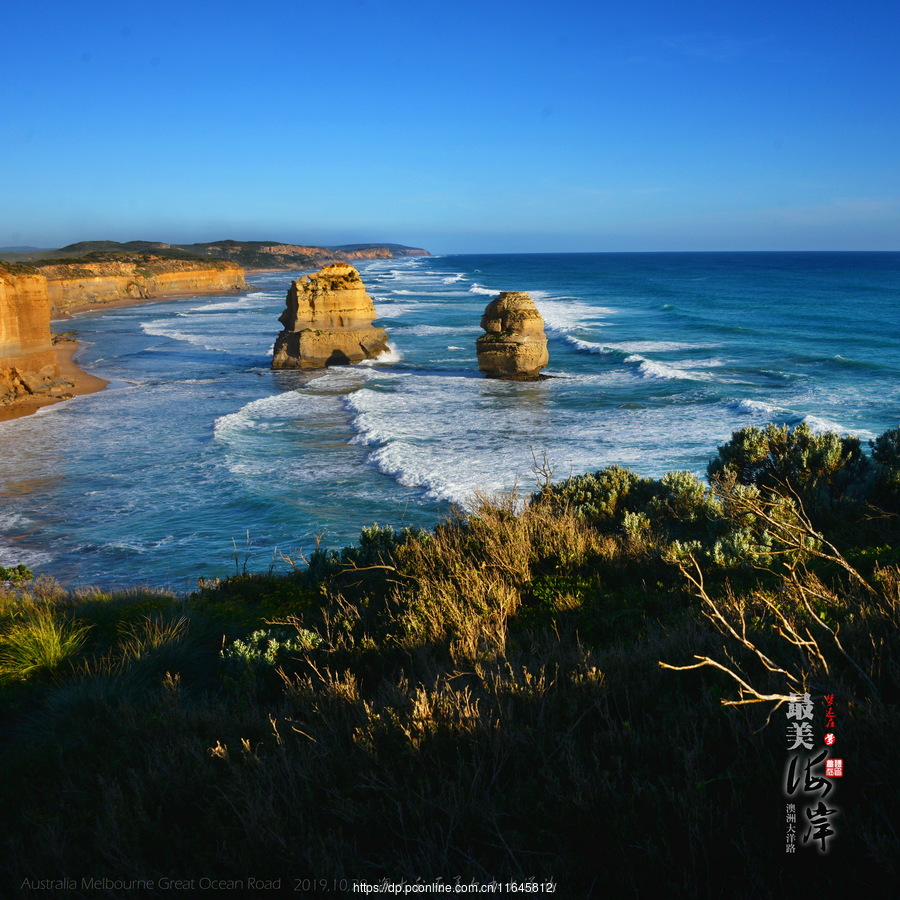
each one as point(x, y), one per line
point(656, 359)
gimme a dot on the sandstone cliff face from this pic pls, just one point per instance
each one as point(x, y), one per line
point(369, 253)
point(73, 285)
point(27, 361)
point(515, 346)
point(327, 322)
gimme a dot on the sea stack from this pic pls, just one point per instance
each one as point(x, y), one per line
point(515, 346)
point(328, 322)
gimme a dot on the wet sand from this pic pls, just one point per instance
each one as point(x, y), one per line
point(77, 382)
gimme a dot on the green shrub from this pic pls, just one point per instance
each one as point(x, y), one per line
point(823, 468)
point(265, 647)
point(16, 575)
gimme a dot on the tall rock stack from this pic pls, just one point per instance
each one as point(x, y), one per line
point(515, 346)
point(328, 322)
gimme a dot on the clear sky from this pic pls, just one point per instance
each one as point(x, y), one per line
point(460, 126)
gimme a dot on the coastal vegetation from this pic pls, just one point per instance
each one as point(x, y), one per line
point(584, 686)
point(152, 261)
point(247, 254)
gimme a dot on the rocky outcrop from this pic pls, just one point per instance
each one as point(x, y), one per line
point(328, 322)
point(27, 361)
point(74, 285)
point(515, 346)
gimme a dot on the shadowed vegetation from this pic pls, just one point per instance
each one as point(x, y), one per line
point(494, 699)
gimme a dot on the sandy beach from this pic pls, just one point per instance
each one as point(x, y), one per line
point(76, 382)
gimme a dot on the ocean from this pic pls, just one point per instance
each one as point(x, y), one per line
point(200, 460)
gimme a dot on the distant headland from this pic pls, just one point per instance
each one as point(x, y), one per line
point(36, 285)
point(247, 254)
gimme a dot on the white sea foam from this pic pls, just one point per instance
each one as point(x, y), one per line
point(419, 293)
point(391, 355)
point(392, 309)
point(819, 425)
point(656, 346)
point(671, 371)
point(15, 521)
point(566, 316)
point(586, 346)
point(155, 329)
point(427, 330)
point(476, 288)
point(255, 300)
point(273, 408)
point(752, 407)
point(16, 554)
point(452, 437)
point(231, 306)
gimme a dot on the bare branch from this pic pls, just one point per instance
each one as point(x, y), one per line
point(746, 689)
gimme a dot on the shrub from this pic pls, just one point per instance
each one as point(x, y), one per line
point(377, 547)
point(265, 647)
point(886, 453)
point(596, 497)
point(16, 575)
point(823, 469)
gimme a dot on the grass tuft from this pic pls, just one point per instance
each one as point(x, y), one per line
point(39, 645)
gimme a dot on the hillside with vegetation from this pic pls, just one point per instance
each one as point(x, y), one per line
point(587, 687)
point(246, 254)
point(275, 255)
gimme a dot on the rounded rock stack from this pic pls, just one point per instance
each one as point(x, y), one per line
point(328, 322)
point(515, 345)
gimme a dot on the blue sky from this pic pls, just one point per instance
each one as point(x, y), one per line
point(458, 126)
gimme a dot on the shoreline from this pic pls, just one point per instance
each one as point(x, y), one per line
point(76, 382)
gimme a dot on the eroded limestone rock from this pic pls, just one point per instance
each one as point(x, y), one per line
point(328, 322)
point(27, 362)
point(515, 345)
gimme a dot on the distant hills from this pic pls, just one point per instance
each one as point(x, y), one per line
point(248, 254)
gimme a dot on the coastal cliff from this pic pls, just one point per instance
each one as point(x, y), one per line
point(28, 363)
point(72, 285)
point(327, 322)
